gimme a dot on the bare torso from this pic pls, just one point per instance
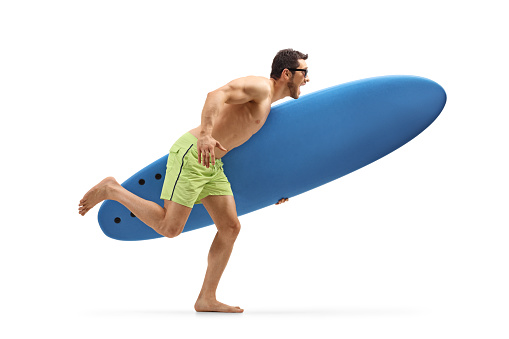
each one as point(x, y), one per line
point(236, 123)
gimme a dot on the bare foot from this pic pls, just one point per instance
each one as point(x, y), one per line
point(203, 305)
point(96, 194)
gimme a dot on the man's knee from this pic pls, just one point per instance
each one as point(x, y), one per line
point(231, 228)
point(170, 229)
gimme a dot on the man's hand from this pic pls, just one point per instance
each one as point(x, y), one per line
point(282, 200)
point(206, 145)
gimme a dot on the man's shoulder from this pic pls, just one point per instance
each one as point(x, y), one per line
point(257, 84)
point(256, 80)
point(250, 88)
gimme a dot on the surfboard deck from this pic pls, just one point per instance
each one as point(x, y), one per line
point(305, 143)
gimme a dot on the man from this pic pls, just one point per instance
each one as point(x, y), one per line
point(230, 116)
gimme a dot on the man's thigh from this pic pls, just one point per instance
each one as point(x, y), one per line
point(175, 213)
point(222, 209)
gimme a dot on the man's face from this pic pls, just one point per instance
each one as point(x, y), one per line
point(298, 79)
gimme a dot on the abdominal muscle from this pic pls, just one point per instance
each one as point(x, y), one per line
point(234, 126)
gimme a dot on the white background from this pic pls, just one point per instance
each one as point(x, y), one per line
point(414, 245)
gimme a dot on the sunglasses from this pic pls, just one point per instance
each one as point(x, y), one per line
point(299, 69)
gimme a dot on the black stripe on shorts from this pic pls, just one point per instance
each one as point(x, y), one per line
point(180, 171)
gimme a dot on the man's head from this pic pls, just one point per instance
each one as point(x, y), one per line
point(290, 65)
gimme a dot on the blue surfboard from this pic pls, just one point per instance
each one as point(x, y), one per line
point(304, 144)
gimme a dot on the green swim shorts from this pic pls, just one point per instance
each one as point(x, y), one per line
point(187, 181)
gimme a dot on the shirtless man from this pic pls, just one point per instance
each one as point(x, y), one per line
point(230, 116)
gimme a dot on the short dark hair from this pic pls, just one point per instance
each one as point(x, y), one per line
point(285, 58)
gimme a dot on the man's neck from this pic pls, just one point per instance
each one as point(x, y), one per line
point(279, 90)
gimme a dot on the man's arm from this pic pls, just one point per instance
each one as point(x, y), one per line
point(238, 91)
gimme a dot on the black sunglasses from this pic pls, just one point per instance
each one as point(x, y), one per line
point(299, 69)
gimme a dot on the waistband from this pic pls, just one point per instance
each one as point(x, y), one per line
point(187, 140)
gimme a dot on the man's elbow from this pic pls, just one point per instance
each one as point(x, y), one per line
point(218, 95)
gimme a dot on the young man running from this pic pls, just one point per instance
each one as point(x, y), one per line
point(230, 116)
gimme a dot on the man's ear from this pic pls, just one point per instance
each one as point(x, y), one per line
point(286, 74)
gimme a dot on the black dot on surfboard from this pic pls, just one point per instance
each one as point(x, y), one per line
point(132, 215)
point(141, 182)
point(158, 176)
point(117, 220)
